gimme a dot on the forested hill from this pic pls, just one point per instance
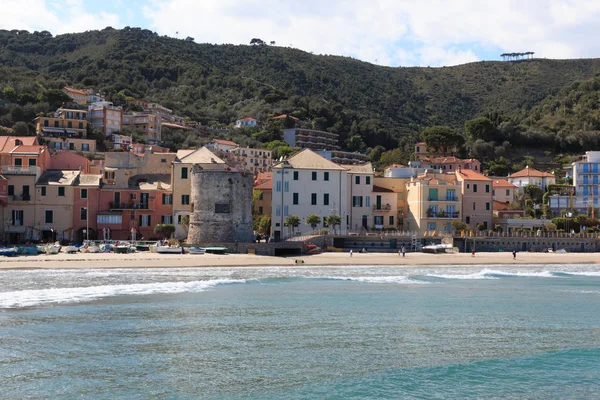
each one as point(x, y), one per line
point(217, 84)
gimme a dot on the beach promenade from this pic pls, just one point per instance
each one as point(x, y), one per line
point(153, 260)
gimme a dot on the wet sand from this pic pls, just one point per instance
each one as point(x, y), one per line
point(154, 260)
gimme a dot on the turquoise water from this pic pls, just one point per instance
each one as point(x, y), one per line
point(302, 333)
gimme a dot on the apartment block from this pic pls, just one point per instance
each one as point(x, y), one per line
point(64, 122)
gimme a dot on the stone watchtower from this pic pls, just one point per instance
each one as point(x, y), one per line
point(221, 207)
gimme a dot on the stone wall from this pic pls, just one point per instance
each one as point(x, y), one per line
point(572, 245)
point(222, 209)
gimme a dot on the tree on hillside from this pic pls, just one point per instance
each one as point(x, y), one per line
point(396, 156)
point(313, 220)
point(256, 41)
point(20, 129)
point(480, 128)
point(441, 139)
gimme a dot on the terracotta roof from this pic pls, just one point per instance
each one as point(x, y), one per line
point(366, 168)
point(28, 149)
point(264, 176)
point(247, 119)
point(379, 189)
point(197, 156)
point(308, 159)
point(264, 185)
point(470, 175)
point(7, 143)
point(500, 206)
point(502, 183)
point(420, 144)
point(286, 115)
point(531, 172)
point(79, 91)
point(175, 126)
point(225, 142)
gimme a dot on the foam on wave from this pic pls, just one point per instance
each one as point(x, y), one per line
point(30, 298)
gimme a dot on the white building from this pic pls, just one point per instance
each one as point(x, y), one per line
point(531, 176)
point(306, 184)
point(219, 145)
point(245, 123)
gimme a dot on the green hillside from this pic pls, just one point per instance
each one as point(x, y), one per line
point(217, 84)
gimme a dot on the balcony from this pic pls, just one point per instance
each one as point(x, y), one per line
point(127, 206)
point(20, 170)
point(382, 207)
point(442, 214)
point(22, 197)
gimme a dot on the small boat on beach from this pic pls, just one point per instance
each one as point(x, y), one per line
point(70, 249)
point(196, 250)
point(169, 249)
point(8, 251)
point(438, 248)
point(52, 248)
point(216, 250)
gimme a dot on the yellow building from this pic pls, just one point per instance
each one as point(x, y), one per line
point(55, 191)
point(70, 144)
point(434, 201)
point(63, 123)
point(477, 199)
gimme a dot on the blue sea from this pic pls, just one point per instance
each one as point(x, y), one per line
point(369, 332)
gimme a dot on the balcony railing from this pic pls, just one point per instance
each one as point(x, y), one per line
point(127, 206)
point(449, 198)
point(382, 207)
point(20, 170)
point(22, 197)
point(442, 214)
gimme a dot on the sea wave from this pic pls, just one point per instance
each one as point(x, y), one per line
point(493, 274)
point(582, 273)
point(376, 279)
point(32, 298)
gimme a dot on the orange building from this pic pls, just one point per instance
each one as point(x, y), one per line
point(78, 96)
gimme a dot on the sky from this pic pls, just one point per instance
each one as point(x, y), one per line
point(386, 32)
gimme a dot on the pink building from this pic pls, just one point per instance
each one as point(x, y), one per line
point(68, 160)
point(86, 200)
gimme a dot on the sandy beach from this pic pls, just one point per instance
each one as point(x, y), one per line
point(153, 260)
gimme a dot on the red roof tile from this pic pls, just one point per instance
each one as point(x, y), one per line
point(531, 172)
point(502, 183)
point(470, 175)
point(225, 142)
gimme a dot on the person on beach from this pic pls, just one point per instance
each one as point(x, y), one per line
point(350, 253)
point(514, 255)
point(403, 250)
point(473, 252)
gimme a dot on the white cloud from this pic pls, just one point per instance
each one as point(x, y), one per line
point(54, 16)
point(389, 32)
point(393, 32)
